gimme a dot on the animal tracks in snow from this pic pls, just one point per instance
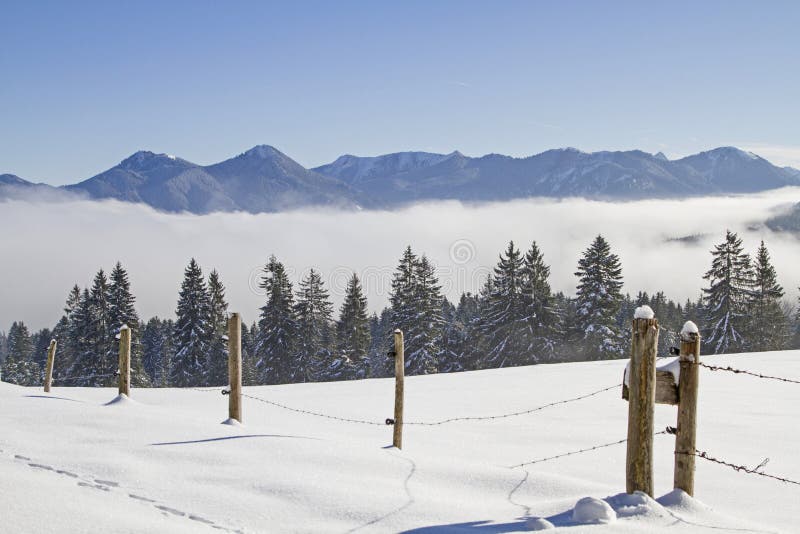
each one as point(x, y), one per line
point(108, 486)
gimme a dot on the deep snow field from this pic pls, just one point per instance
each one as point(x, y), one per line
point(162, 462)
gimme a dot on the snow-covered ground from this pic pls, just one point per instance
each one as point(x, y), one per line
point(162, 462)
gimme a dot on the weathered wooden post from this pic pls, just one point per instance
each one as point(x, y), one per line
point(48, 372)
point(235, 367)
point(686, 434)
point(125, 360)
point(399, 375)
point(641, 402)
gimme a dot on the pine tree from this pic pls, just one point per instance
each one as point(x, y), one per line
point(249, 342)
point(217, 364)
point(380, 329)
point(78, 371)
point(597, 303)
point(122, 311)
point(424, 341)
point(19, 367)
point(728, 297)
point(769, 328)
point(353, 337)
point(66, 351)
point(277, 326)
point(157, 350)
point(543, 328)
point(192, 330)
point(504, 323)
point(313, 358)
point(98, 361)
point(3, 348)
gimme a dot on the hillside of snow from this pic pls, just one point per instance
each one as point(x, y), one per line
point(71, 461)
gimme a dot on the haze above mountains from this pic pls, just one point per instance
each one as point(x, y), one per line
point(264, 179)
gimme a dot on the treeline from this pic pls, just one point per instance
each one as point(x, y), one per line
point(515, 319)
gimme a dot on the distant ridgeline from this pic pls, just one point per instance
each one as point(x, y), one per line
point(514, 320)
point(265, 180)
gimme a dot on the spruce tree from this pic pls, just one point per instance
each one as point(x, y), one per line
point(217, 364)
point(192, 330)
point(98, 361)
point(504, 328)
point(598, 300)
point(78, 371)
point(277, 327)
point(19, 367)
point(424, 344)
point(543, 328)
point(313, 357)
point(66, 350)
point(353, 330)
point(122, 311)
point(727, 299)
point(769, 328)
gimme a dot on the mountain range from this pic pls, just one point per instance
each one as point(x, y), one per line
point(264, 179)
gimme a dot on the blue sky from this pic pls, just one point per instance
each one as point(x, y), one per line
point(85, 84)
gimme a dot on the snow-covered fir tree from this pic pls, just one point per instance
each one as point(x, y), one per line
point(192, 330)
point(313, 360)
point(424, 341)
point(727, 299)
point(504, 330)
point(596, 334)
point(122, 311)
point(380, 329)
point(416, 310)
point(353, 330)
point(3, 348)
point(249, 343)
point(157, 350)
point(768, 325)
point(100, 362)
point(542, 318)
point(19, 367)
point(217, 362)
point(277, 326)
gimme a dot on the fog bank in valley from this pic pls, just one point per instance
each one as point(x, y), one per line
point(48, 247)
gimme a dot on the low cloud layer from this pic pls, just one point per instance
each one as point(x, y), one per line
point(48, 247)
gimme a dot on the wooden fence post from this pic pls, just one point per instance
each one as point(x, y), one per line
point(235, 367)
point(641, 405)
point(399, 375)
point(686, 434)
point(125, 360)
point(48, 372)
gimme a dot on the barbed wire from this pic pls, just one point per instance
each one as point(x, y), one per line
point(513, 414)
point(309, 412)
point(579, 451)
point(745, 372)
point(740, 468)
point(390, 422)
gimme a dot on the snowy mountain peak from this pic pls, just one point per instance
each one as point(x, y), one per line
point(263, 152)
point(661, 156)
point(146, 158)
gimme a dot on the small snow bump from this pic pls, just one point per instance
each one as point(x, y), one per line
point(124, 327)
point(644, 312)
point(591, 511)
point(539, 523)
point(690, 328)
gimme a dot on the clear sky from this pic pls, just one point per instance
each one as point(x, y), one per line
point(85, 84)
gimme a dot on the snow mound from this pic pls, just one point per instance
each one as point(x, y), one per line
point(689, 328)
point(231, 422)
point(635, 504)
point(539, 523)
point(591, 511)
point(644, 312)
point(120, 399)
point(678, 499)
